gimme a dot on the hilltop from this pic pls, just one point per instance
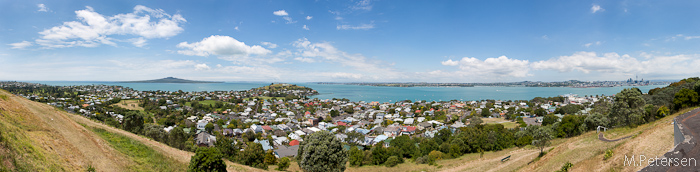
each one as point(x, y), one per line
point(171, 80)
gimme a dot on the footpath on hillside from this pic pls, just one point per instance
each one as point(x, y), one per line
point(689, 149)
point(602, 138)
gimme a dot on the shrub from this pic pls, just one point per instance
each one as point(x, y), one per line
point(422, 160)
point(392, 161)
point(608, 154)
point(283, 164)
point(567, 166)
point(435, 155)
point(207, 159)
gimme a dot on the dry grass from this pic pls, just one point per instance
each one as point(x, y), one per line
point(502, 121)
point(129, 104)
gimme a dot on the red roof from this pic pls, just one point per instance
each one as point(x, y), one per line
point(342, 123)
point(293, 142)
point(266, 127)
point(409, 128)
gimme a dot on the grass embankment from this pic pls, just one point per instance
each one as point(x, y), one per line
point(19, 149)
point(143, 157)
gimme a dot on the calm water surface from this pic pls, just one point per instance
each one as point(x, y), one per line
point(381, 94)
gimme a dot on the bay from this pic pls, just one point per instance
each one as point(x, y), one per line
point(380, 94)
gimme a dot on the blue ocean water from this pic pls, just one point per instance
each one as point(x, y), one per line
point(381, 94)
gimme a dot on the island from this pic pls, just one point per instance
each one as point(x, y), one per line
point(171, 80)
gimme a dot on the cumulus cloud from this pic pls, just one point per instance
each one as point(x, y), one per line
point(501, 67)
point(357, 27)
point(224, 47)
point(309, 17)
point(325, 52)
point(269, 44)
point(595, 8)
point(201, 67)
point(138, 42)
point(305, 27)
point(590, 61)
point(280, 13)
point(94, 29)
point(623, 65)
point(42, 8)
point(20, 45)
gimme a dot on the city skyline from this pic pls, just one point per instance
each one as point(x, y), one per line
point(349, 41)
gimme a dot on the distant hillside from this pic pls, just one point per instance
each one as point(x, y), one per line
point(171, 80)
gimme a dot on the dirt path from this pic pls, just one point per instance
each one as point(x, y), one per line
point(75, 142)
point(602, 138)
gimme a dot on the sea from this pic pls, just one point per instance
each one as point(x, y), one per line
point(379, 94)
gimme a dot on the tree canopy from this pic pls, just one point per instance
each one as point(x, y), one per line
point(322, 152)
point(206, 159)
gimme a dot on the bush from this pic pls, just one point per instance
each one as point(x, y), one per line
point(608, 154)
point(283, 164)
point(566, 167)
point(207, 159)
point(435, 155)
point(392, 161)
point(423, 160)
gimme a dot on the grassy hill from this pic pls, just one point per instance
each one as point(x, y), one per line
point(38, 137)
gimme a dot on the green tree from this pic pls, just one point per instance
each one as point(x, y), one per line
point(356, 156)
point(485, 112)
point(177, 138)
point(155, 132)
point(628, 108)
point(685, 98)
point(426, 146)
point(549, 120)
point(322, 152)
point(226, 147)
point(209, 127)
point(133, 122)
point(596, 119)
point(475, 121)
point(541, 138)
point(206, 159)
point(334, 113)
point(379, 155)
point(405, 145)
point(270, 158)
point(283, 164)
point(253, 156)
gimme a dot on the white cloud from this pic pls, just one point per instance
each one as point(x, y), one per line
point(338, 18)
point(362, 5)
point(306, 60)
point(343, 75)
point(94, 29)
point(450, 62)
point(42, 8)
point(305, 27)
point(280, 13)
point(138, 42)
point(595, 8)
point(269, 44)
point(201, 67)
point(624, 65)
point(325, 52)
point(358, 27)
point(288, 20)
point(309, 17)
point(589, 61)
point(224, 47)
point(592, 43)
point(21, 45)
point(236, 28)
point(500, 68)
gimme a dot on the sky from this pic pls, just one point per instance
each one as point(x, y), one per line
point(349, 40)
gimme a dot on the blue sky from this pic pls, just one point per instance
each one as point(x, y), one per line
point(349, 41)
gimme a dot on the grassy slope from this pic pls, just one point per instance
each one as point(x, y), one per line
point(143, 157)
point(19, 148)
point(129, 104)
